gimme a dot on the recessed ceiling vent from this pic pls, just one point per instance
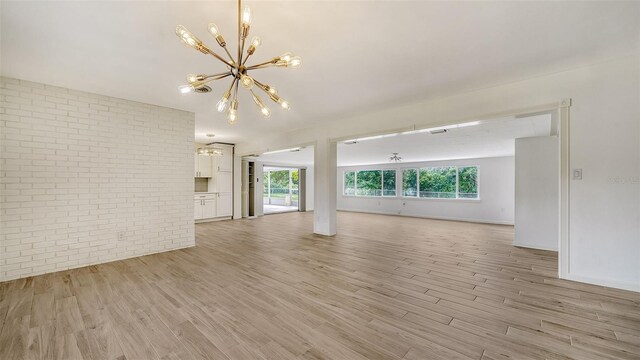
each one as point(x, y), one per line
point(203, 89)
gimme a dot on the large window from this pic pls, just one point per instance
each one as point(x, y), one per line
point(445, 182)
point(409, 182)
point(370, 183)
point(349, 182)
point(438, 182)
point(389, 183)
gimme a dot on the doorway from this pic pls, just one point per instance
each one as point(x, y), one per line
point(281, 189)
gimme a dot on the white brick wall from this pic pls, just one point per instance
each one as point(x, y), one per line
point(78, 168)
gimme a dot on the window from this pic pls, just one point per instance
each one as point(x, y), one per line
point(389, 183)
point(369, 183)
point(410, 182)
point(438, 182)
point(445, 182)
point(468, 182)
point(349, 183)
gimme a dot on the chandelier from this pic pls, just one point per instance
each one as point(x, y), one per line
point(395, 158)
point(237, 68)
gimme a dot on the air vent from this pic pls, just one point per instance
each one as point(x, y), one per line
point(203, 89)
point(439, 131)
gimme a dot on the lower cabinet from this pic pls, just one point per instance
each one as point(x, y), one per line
point(224, 205)
point(205, 207)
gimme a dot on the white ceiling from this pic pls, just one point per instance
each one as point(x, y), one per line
point(357, 55)
point(489, 139)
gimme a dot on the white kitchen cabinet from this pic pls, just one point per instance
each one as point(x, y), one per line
point(224, 205)
point(205, 206)
point(209, 209)
point(224, 162)
point(203, 165)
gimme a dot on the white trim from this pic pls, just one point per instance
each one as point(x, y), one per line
point(604, 282)
point(536, 247)
point(477, 221)
point(564, 248)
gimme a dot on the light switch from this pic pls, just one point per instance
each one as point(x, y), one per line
point(577, 174)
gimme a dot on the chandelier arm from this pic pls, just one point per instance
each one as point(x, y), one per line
point(219, 76)
point(262, 86)
point(229, 54)
point(261, 65)
point(218, 57)
point(239, 32)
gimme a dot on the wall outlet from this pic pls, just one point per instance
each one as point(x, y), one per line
point(577, 174)
point(120, 235)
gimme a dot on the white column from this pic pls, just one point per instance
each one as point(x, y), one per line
point(325, 187)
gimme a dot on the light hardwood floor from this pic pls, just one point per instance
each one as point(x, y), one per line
point(384, 288)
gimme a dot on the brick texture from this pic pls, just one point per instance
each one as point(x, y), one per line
point(87, 179)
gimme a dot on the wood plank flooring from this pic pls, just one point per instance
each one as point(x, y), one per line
point(384, 288)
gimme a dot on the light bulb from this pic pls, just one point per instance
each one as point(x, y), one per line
point(265, 111)
point(284, 104)
point(247, 82)
point(187, 37)
point(222, 104)
point(295, 61)
point(213, 29)
point(232, 116)
point(255, 42)
point(286, 57)
point(192, 78)
point(185, 89)
point(246, 16)
point(232, 113)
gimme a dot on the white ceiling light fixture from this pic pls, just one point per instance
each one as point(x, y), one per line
point(355, 141)
point(442, 129)
point(433, 130)
point(295, 149)
point(236, 67)
point(395, 158)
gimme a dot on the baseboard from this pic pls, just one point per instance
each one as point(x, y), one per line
point(536, 247)
point(604, 282)
point(478, 221)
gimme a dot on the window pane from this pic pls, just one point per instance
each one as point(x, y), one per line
point(410, 182)
point(438, 182)
point(468, 182)
point(349, 183)
point(369, 183)
point(389, 183)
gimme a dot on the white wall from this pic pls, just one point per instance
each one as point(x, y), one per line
point(78, 168)
point(604, 207)
point(496, 187)
point(537, 192)
point(310, 188)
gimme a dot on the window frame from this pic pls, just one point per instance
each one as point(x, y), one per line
point(457, 198)
point(355, 183)
point(400, 194)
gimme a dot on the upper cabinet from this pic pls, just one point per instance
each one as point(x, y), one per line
point(203, 166)
point(224, 162)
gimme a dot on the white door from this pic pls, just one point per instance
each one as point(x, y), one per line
point(197, 209)
point(205, 166)
point(209, 209)
point(224, 204)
